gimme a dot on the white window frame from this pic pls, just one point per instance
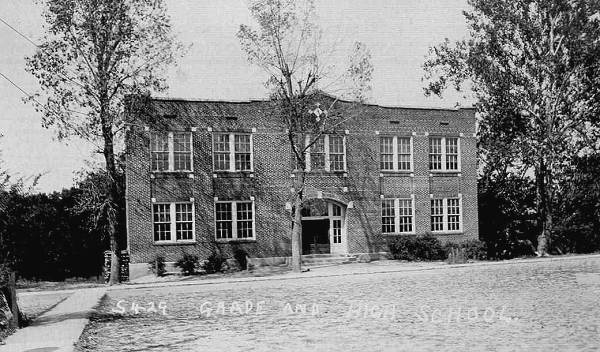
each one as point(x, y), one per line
point(234, 229)
point(396, 158)
point(171, 150)
point(397, 216)
point(173, 216)
point(307, 141)
point(232, 151)
point(443, 146)
point(445, 215)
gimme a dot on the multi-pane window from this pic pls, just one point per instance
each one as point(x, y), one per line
point(388, 216)
point(404, 154)
point(453, 214)
point(171, 151)
point(184, 222)
point(317, 154)
point(446, 214)
point(444, 153)
point(234, 220)
point(182, 151)
point(232, 152)
point(336, 153)
point(405, 215)
point(451, 153)
point(160, 151)
point(386, 150)
point(221, 152)
point(395, 153)
point(224, 220)
point(397, 215)
point(337, 231)
point(244, 220)
point(162, 222)
point(336, 210)
point(327, 153)
point(243, 152)
point(173, 218)
point(437, 215)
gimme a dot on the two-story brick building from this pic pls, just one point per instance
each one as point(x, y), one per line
point(206, 174)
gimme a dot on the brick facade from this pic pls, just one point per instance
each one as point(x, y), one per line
point(358, 190)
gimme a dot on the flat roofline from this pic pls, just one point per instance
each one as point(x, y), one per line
point(259, 100)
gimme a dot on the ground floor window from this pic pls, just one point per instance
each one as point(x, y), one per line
point(234, 220)
point(397, 215)
point(446, 214)
point(337, 231)
point(173, 222)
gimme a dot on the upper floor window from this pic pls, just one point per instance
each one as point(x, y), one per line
point(446, 214)
point(395, 153)
point(444, 154)
point(173, 222)
point(171, 151)
point(232, 152)
point(327, 153)
point(397, 215)
point(234, 220)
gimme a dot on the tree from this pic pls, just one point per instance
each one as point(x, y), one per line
point(286, 44)
point(578, 207)
point(534, 68)
point(94, 53)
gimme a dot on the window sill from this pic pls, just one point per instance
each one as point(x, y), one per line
point(232, 174)
point(444, 172)
point(235, 240)
point(171, 173)
point(396, 172)
point(459, 232)
point(174, 243)
point(326, 173)
point(399, 233)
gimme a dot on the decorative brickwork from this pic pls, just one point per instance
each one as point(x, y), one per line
point(358, 189)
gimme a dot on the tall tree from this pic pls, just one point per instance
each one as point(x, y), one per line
point(286, 42)
point(534, 68)
point(94, 53)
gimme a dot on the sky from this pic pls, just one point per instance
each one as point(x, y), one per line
point(398, 34)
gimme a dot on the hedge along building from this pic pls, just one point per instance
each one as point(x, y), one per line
point(218, 175)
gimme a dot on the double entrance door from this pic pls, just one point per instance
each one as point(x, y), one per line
point(325, 233)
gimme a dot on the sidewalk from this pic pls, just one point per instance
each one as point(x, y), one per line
point(375, 267)
point(58, 329)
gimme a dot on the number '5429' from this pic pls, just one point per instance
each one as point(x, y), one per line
point(124, 306)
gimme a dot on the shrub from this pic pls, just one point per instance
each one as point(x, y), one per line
point(214, 263)
point(473, 249)
point(241, 257)
point(157, 266)
point(188, 264)
point(417, 248)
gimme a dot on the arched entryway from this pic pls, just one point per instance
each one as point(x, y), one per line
point(323, 227)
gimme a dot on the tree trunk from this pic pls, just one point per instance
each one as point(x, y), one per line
point(114, 191)
point(297, 228)
point(544, 206)
point(12, 286)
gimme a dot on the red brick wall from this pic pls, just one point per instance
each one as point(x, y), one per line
point(271, 182)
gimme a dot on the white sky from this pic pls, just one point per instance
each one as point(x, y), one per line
point(398, 33)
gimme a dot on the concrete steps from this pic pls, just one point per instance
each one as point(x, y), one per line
point(327, 259)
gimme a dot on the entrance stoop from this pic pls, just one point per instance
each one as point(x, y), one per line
point(327, 259)
point(320, 259)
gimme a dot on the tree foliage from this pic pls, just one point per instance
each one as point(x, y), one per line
point(534, 68)
point(57, 235)
point(286, 42)
point(94, 54)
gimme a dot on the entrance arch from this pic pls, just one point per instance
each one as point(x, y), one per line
point(323, 227)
